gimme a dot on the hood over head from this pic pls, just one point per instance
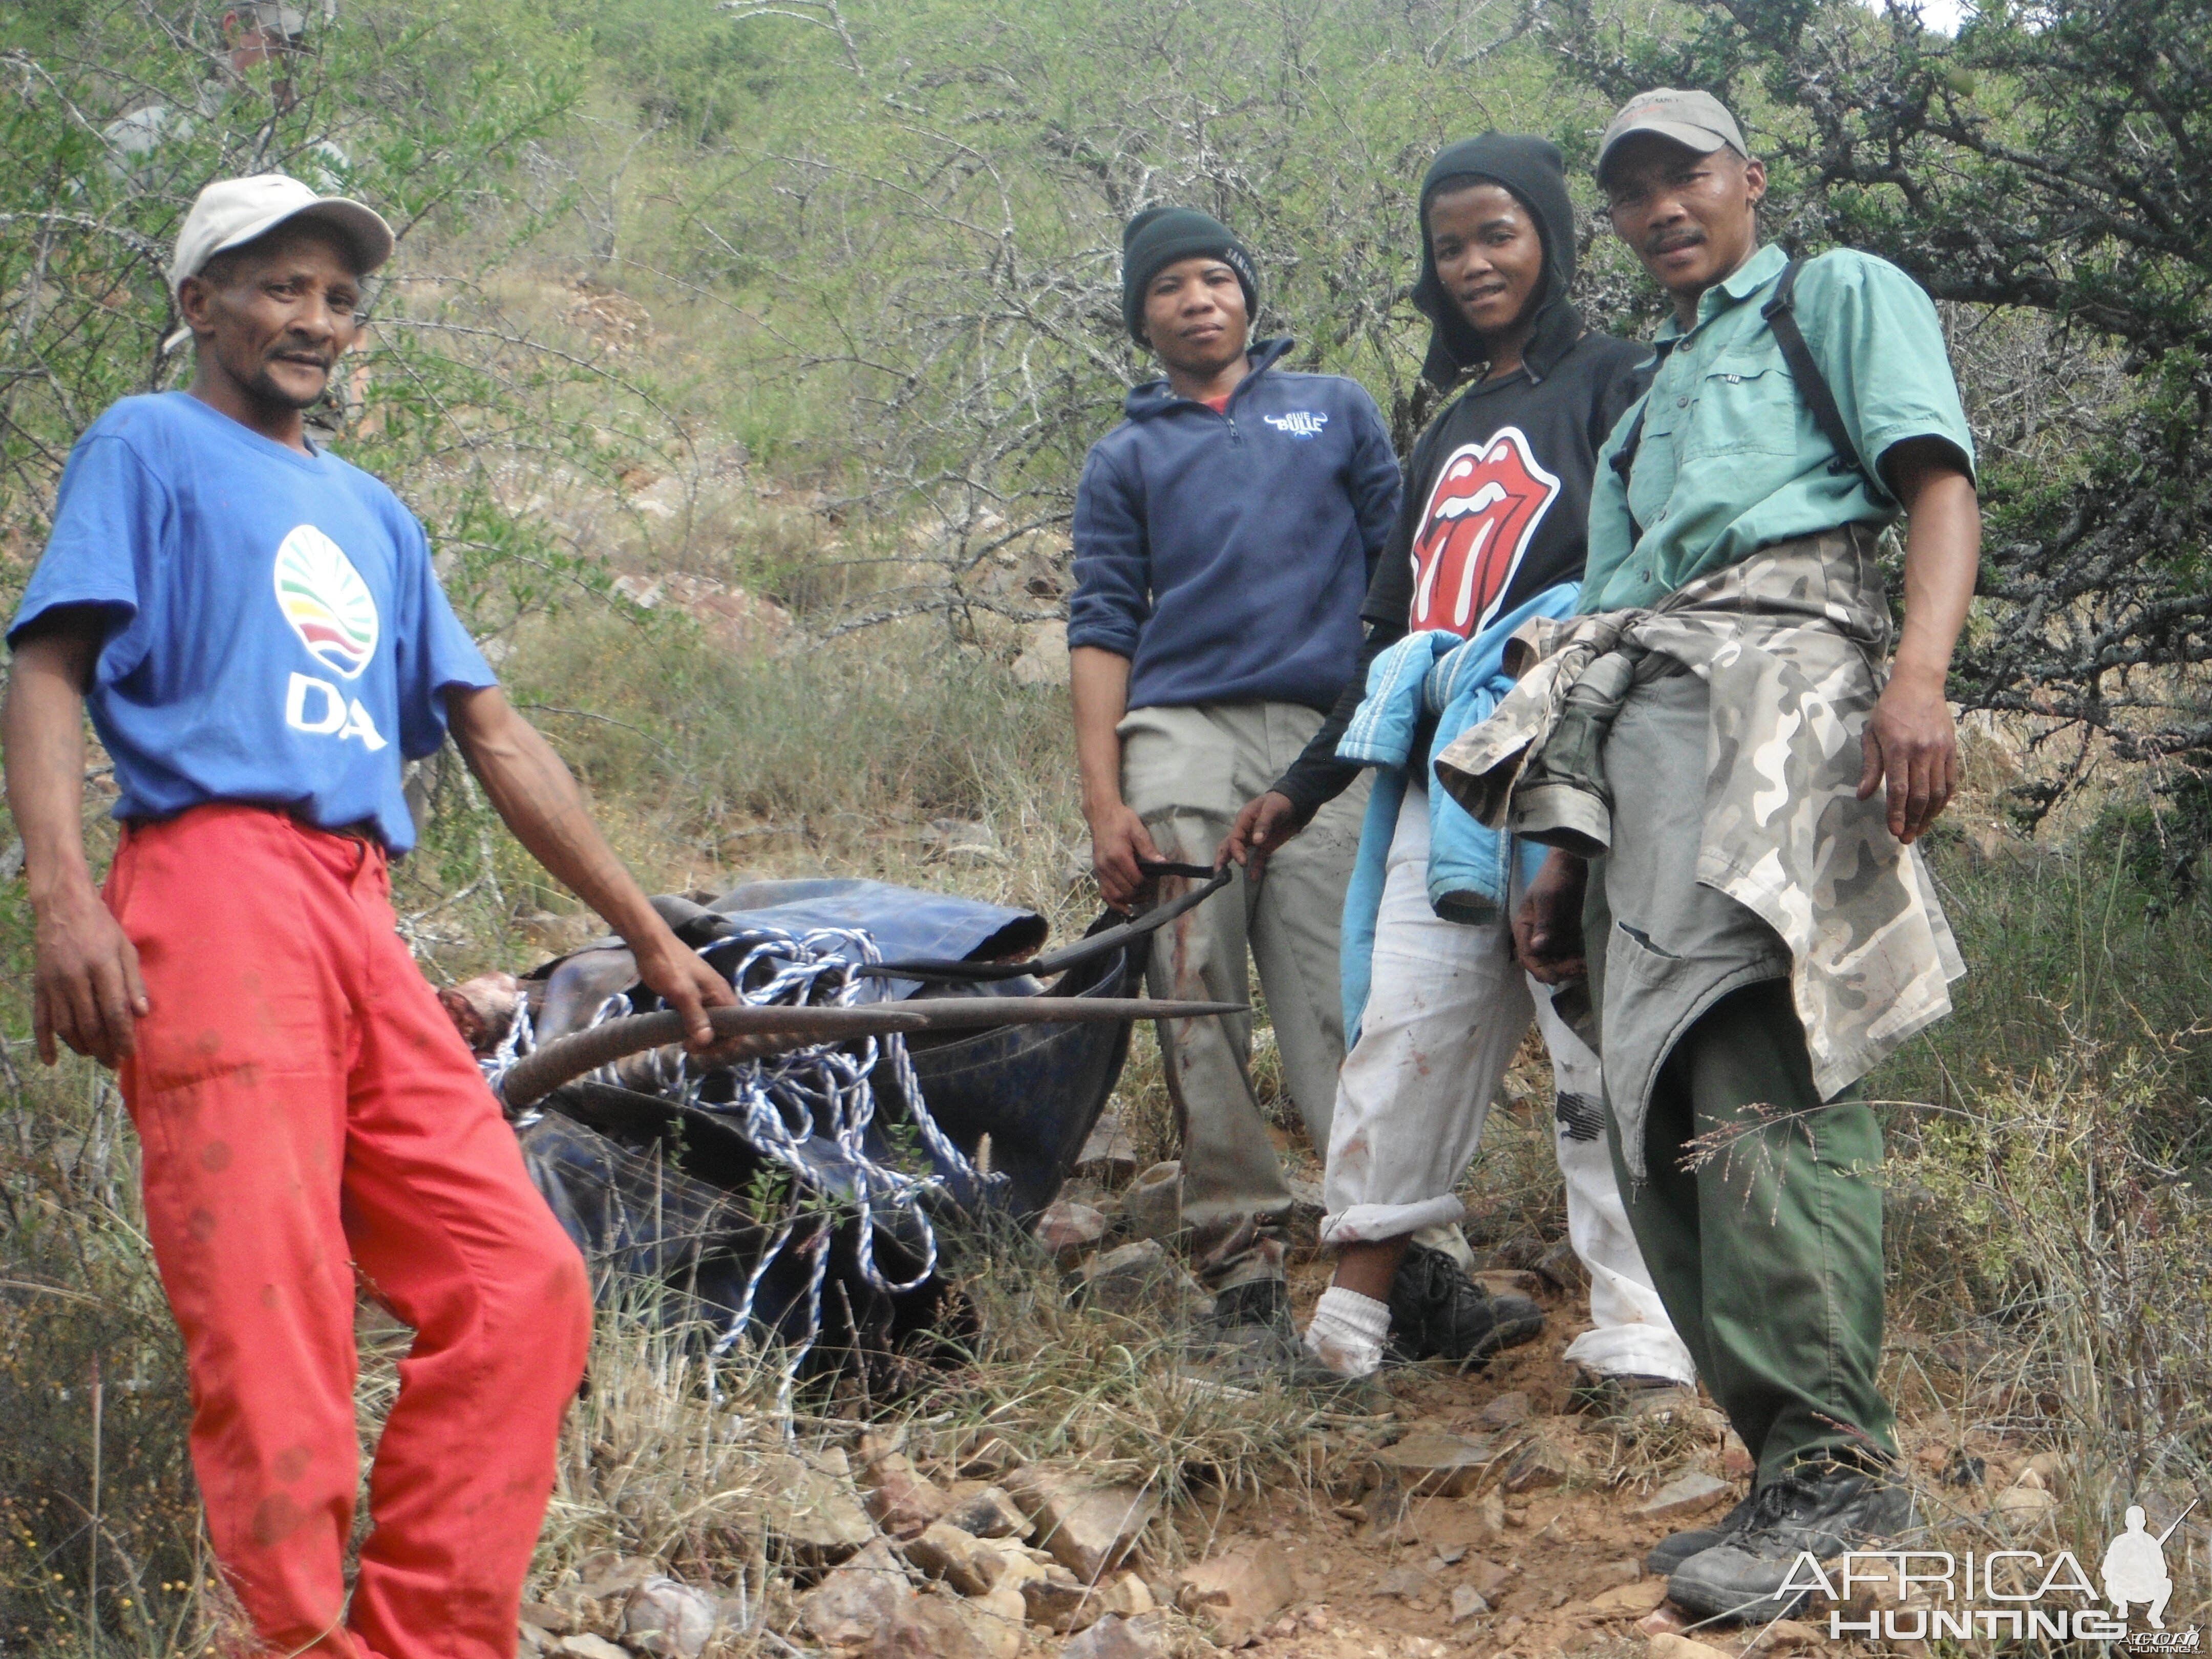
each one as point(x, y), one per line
point(1532, 169)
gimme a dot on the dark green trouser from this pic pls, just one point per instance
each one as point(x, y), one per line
point(1768, 1254)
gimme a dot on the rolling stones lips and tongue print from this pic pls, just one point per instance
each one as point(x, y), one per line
point(1483, 513)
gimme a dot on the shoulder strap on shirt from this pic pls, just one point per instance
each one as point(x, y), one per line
point(1780, 313)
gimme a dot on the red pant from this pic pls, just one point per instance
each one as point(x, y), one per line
point(307, 1108)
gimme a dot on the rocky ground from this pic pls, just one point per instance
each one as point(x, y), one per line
point(1486, 1514)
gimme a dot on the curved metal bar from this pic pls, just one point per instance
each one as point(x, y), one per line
point(765, 1030)
point(1086, 950)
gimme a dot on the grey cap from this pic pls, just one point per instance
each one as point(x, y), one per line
point(1697, 119)
point(266, 15)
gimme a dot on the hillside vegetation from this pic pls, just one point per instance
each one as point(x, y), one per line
point(741, 357)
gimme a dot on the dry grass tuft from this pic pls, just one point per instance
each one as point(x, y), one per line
point(1057, 1380)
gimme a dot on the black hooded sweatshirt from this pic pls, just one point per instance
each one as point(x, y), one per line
point(1497, 502)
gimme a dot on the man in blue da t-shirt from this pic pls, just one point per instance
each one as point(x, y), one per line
point(273, 632)
point(261, 639)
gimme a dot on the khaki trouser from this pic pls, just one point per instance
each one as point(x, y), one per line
point(1187, 772)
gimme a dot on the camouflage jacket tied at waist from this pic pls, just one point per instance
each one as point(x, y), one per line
point(1789, 641)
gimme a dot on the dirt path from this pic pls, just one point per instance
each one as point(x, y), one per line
point(1558, 1569)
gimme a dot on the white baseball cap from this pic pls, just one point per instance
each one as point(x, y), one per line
point(231, 212)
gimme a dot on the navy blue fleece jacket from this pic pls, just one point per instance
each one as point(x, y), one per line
point(1226, 555)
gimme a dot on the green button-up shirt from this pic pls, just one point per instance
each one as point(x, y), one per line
point(1731, 460)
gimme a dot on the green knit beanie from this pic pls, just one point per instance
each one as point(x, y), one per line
point(1158, 237)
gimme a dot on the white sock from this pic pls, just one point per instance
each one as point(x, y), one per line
point(1348, 1331)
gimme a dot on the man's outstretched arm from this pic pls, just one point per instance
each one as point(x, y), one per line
point(86, 991)
point(532, 790)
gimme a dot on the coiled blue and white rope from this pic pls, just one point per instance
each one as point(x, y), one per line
point(781, 1101)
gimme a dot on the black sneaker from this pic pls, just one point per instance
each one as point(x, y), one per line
point(1823, 1508)
point(1259, 1306)
point(1437, 1312)
point(1251, 1340)
point(1670, 1552)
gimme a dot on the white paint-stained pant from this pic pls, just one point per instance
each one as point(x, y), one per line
point(1446, 1009)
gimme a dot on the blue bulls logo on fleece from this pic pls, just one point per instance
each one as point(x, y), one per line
point(1298, 423)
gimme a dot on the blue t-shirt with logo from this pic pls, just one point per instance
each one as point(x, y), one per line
point(277, 636)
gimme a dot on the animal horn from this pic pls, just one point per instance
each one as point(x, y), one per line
point(746, 1031)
